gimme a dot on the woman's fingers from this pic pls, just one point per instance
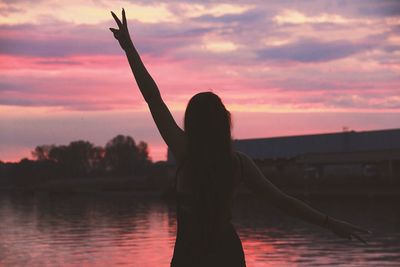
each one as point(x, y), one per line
point(354, 228)
point(348, 230)
point(124, 18)
point(115, 32)
point(117, 20)
point(122, 33)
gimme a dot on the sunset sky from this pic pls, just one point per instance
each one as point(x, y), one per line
point(281, 67)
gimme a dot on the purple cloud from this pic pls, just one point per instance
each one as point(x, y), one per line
point(313, 50)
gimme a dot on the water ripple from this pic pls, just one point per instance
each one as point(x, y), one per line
point(83, 231)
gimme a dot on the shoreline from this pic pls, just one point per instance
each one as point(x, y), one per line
point(169, 195)
point(160, 187)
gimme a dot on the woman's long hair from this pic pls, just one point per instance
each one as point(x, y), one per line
point(209, 161)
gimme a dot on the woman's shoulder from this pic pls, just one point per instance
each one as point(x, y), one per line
point(241, 156)
point(242, 160)
point(247, 164)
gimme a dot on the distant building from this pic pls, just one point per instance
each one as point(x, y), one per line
point(343, 142)
point(343, 154)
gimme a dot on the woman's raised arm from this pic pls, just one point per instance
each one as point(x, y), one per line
point(173, 136)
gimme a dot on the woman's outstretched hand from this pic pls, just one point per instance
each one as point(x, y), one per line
point(122, 33)
point(346, 230)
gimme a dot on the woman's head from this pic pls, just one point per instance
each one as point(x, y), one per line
point(208, 126)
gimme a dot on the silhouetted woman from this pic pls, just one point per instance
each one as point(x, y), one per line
point(209, 172)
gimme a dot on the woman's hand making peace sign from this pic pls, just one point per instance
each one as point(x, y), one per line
point(122, 33)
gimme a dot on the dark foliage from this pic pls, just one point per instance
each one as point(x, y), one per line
point(120, 157)
point(123, 156)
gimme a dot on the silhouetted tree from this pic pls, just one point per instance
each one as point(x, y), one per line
point(57, 153)
point(96, 161)
point(80, 155)
point(42, 152)
point(143, 156)
point(75, 159)
point(122, 155)
point(143, 151)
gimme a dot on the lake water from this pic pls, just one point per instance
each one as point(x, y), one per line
point(121, 230)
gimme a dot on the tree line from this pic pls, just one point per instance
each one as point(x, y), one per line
point(120, 156)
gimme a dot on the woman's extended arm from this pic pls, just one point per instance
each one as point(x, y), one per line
point(259, 184)
point(173, 136)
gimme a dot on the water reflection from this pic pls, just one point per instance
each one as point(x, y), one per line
point(113, 230)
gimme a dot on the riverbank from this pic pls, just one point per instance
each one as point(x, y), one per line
point(101, 184)
point(161, 187)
